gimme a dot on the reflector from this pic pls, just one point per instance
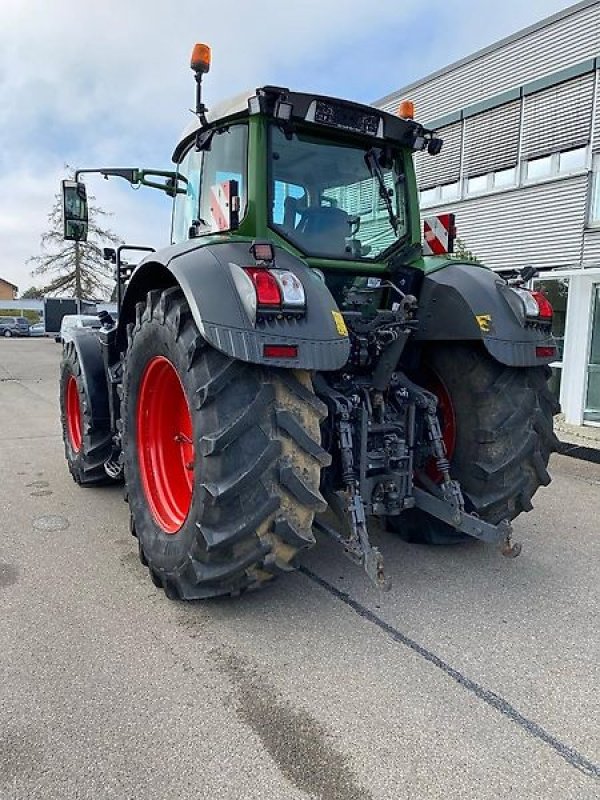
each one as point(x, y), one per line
point(545, 352)
point(280, 351)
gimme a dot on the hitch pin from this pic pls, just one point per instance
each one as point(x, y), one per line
point(508, 548)
point(181, 438)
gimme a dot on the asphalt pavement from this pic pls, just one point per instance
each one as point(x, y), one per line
point(475, 677)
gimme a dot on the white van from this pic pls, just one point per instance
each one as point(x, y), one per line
point(72, 321)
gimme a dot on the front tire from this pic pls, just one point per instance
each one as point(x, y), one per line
point(502, 437)
point(87, 441)
point(223, 488)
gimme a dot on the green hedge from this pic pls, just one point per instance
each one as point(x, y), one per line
point(31, 315)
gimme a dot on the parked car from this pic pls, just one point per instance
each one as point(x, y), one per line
point(39, 329)
point(72, 321)
point(14, 326)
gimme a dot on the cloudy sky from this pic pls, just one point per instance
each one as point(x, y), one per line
point(107, 83)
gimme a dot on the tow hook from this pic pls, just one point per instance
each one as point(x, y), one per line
point(508, 548)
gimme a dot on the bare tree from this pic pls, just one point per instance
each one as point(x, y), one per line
point(75, 268)
point(33, 293)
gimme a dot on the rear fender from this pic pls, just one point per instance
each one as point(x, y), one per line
point(93, 374)
point(203, 272)
point(465, 302)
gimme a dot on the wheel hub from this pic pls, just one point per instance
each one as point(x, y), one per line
point(165, 445)
point(73, 409)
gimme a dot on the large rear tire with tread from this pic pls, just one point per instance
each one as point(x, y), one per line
point(88, 441)
point(503, 437)
point(250, 440)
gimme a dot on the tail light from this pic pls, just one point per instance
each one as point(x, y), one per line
point(536, 305)
point(277, 289)
point(544, 305)
point(268, 293)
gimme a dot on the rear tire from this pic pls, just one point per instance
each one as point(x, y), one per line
point(504, 438)
point(88, 442)
point(253, 452)
point(7, 334)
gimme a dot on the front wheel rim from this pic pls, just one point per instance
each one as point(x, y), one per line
point(165, 446)
point(73, 414)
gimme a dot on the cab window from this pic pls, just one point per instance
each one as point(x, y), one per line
point(225, 160)
point(185, 210)
point(206, 172)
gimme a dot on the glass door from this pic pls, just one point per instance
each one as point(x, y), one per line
point(591, 413)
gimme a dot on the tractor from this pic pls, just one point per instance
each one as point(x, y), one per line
point(293, 363)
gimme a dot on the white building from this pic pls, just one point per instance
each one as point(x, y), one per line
point(520, 167)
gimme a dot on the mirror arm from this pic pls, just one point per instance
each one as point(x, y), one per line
point(139, 177)
point(170, 186)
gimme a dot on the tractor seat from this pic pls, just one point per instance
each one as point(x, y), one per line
point(324, 229)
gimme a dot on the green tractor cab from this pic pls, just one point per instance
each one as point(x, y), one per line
point(292, 351)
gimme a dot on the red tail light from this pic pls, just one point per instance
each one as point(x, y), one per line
point(544, 305)
point(267, 289)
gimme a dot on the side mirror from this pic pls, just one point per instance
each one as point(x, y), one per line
point(75, 211)
point(434, 146)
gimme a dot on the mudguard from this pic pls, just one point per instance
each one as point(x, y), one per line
point(461, 302)
point(206, 279)
point(90, 356)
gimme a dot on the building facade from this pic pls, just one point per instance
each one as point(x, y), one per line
point(520, 168)
point(8, 291)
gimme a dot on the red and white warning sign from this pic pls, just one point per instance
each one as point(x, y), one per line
point(223, 205)
point(438, 234)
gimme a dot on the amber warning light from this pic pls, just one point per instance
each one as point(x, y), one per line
point(406, 109)
point(200, 61)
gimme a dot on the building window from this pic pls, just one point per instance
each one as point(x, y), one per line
point(595, 203)
point(505, 177)
point(429, 197)
point(539, 168)
point(450, 191)
point(572, 160)
point(439, 194)
point(477, 184)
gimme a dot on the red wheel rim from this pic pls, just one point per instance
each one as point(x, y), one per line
point(447, 419)
point(73, 415)
point(165, 447)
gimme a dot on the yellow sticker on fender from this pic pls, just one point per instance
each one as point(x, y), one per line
point(485, 322)
point(340, 324)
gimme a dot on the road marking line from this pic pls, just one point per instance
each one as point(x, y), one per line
point(571, 756)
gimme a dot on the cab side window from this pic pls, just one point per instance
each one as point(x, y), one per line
point(225, 160)
point(185, 209)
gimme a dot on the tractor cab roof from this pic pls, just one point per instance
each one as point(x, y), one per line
point(321, 111)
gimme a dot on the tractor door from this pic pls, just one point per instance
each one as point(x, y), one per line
point(216, 176)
